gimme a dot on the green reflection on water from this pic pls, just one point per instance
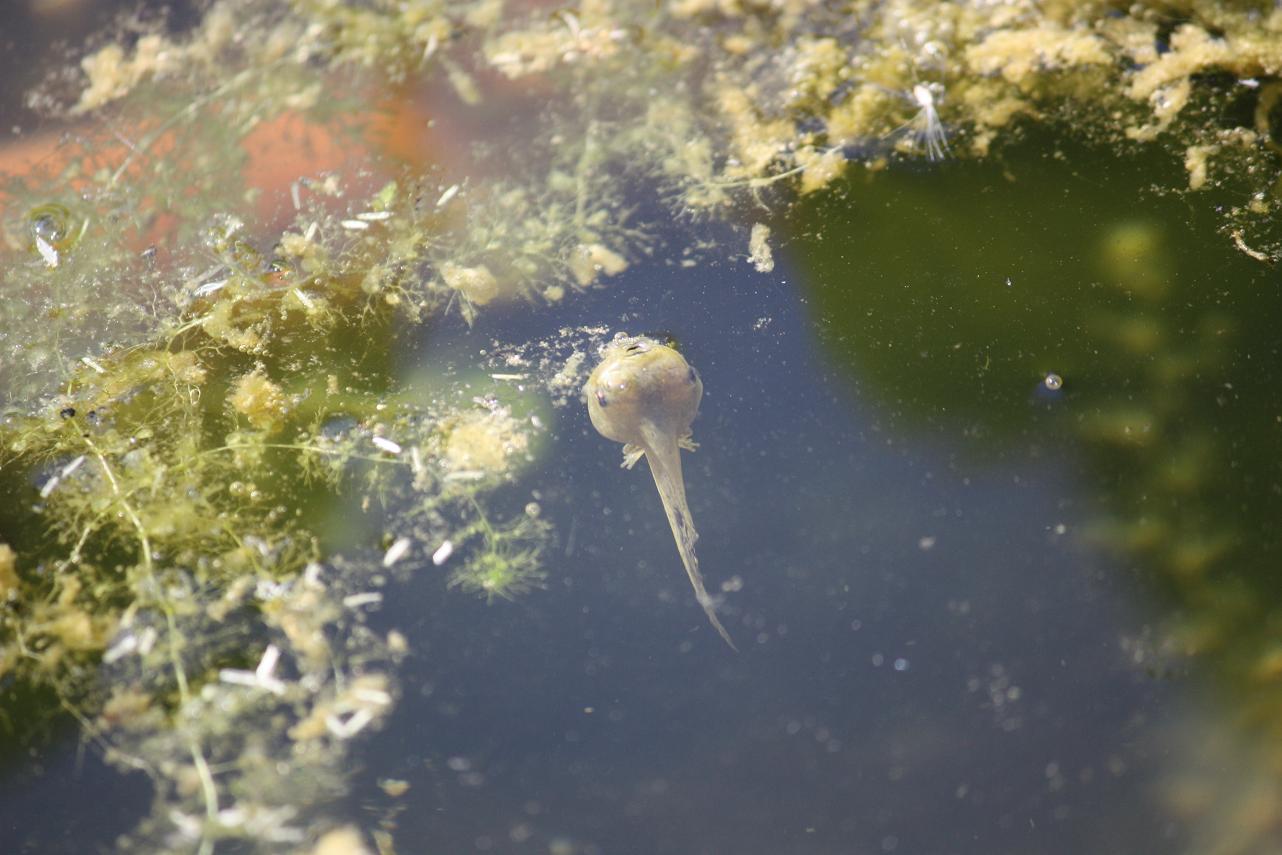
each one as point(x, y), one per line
point(950, 295)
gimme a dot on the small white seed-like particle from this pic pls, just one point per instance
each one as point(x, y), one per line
point(443, 553)
point(396, 551)
point(387, 445)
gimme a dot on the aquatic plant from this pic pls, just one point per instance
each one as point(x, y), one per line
point(506, 561)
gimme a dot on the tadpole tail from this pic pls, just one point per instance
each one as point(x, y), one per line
point(665, 465)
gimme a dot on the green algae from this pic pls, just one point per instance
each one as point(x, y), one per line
point(506, 561)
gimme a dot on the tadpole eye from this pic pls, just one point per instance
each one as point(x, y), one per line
point(600, 398)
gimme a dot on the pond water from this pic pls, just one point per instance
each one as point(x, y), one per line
point(940, 652)
point(987, 437)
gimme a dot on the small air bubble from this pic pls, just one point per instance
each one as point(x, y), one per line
point(1053, 382)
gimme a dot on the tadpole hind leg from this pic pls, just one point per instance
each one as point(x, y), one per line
point(631, 454)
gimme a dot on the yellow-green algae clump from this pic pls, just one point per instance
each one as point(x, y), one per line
point(191, 379)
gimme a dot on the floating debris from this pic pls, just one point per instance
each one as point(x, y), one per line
point(447, 196)
point(759, 252)
point(396, 551)
point(52, 483)
point(443, 553)
point(369, 598)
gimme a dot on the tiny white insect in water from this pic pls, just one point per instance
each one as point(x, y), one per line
point(927, 130)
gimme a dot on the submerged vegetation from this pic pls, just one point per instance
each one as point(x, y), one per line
point(205, 281)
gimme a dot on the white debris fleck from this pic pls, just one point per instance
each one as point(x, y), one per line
point(295, 196)
point(302, 297)
point(210, 287)
point(267, 665)
point(141, 643)
point(251, 680)
point(312, 576)
point(311, 231)
point(266, 671)
point(238, 677)
point(449, 194)
point(507, 376)
point(47, 251)
point(465, 475)
point(354, 601)
point(263, 677)
point(346, 728)
point(268, 590)
point(927, 543)
point(52, 483)
point(374, 216)
point(377, 697)
point(759, 252)
point(354, 225)
point(396, 551)
point(386, 444)
point(121, 648)
point(93, 363)
point(443, 553)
